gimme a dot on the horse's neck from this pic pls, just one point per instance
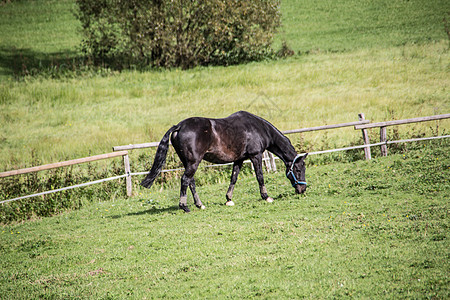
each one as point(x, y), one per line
point(283, 148)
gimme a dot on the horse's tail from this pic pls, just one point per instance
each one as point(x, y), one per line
point(160, 158)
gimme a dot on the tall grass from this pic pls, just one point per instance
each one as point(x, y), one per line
point(60, 119)
point(37, 35)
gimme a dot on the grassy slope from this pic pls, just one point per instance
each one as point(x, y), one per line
point(89, 115)
point(343, 25)
point(36, 33)
point(375, 229)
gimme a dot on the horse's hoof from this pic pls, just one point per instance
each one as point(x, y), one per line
point(184, 207)
point(269, 199)
point(201, 206)
point(229, 203)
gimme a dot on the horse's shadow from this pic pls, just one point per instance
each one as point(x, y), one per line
point(151, 211)
point(155, 211)
point(174, 208)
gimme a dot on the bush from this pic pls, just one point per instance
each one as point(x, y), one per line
point(177, 33)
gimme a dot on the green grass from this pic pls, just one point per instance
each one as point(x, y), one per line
point(376, 229)
point(37, 34)
point(346, 25)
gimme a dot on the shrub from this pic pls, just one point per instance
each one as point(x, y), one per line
point(177, 33)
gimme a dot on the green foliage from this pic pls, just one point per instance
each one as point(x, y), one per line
point(177, 33)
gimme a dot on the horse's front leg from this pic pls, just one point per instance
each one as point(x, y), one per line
point(257, 164)
point(234, 175)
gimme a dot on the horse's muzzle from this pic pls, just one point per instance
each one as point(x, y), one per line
point(300, 188)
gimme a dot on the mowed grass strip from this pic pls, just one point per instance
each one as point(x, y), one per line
point(364, 229)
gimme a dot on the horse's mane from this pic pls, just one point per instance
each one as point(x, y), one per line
point(270, 125)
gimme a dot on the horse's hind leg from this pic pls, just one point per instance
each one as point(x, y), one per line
point(234, 175)
point(257, 164)
point(197, 201)
point(187, 180)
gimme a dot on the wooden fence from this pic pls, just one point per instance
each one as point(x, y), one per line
point(362, 124)
point(383, 125)
point(127, 174)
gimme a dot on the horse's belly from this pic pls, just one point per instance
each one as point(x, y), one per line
point(219, 158)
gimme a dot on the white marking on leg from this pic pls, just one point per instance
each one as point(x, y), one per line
point(263, 190)
point(269, 199)
point(229, 203)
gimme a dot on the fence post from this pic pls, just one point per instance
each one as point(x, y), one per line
point(272, 161)
point(266, 161)
point(383, 139)
point(126, 162)
point(361, 117)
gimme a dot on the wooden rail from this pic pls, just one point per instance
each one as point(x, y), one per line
point(136, 146)
point(326, 127)
point(268, 157)
point(63, 164)
point(401, 122)
point(124, 154)
point(383, 133)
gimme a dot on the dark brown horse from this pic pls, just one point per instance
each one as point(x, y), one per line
point(234, 139)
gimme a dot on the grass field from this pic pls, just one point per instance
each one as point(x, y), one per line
point(369, 229)
point(364, 229)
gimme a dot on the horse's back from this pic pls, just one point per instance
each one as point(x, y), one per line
point(235, 137)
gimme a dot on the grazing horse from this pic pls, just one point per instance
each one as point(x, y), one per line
point(234, 139)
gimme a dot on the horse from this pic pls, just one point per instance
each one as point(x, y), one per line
point(236, 138)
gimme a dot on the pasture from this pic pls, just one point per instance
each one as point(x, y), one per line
point(364, 229)
point(368, 229)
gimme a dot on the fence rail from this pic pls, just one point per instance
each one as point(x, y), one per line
point(401, 122)
point(268, 158)
point(63, 164)
point(383, 133)
point(325, 127)
point(65, 188)
point(127, 174)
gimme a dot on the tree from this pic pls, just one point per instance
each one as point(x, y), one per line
point(177, 33)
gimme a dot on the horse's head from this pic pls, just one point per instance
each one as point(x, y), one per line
point(296, 173)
